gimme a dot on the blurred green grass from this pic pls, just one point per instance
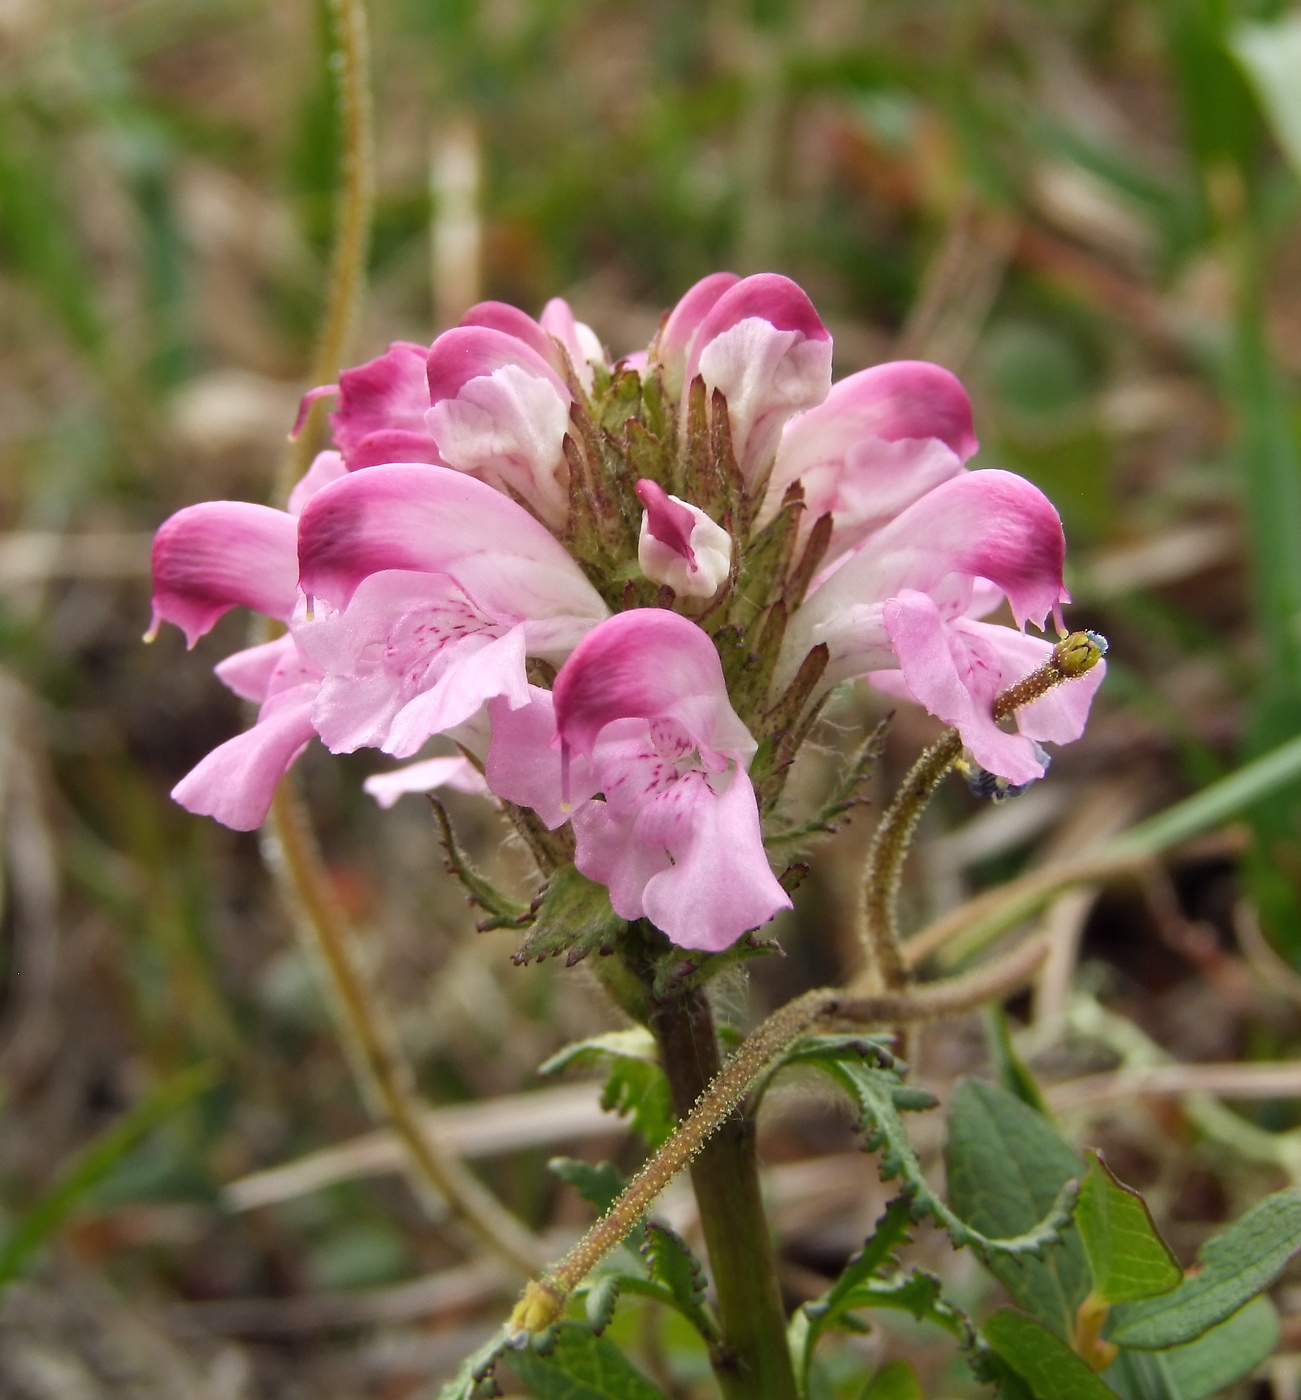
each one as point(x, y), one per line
point(1089, 210)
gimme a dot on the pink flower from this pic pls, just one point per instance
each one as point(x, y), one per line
point(208, 559)
point(428, 590)
point(680, 545)
point(759, 342)
point(380, 416)
point(642, 718)
point(500, 412)
point(879, 441)
point(906, 598)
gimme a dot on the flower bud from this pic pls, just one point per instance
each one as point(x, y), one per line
point(680, 545)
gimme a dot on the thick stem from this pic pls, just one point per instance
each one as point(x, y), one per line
point(754, 1362)
point(545, 1297)
point(384, 1075)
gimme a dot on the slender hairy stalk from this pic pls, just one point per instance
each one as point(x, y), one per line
point(351, 52)
point(545, 1297)
point(381, 1070)
point(887, 965)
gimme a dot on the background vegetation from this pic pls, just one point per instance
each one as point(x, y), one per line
point(1089, 209)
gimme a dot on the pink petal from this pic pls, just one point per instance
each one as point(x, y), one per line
point(680, 545)
point(477, 670)
point(211, 557)
point(988, 525)
point(880, 440)
point(427, 775)
point(326, 467)
point(236, 782)
point(763, 346)
point(667, 520)
point(1060, 716)
point(322, 391)
point(436, 520)
point(956, 675)
point(580, 341)
point(650, 664)
point(673, 344)
point(249, 672)
point(471, 352)
point(381, 412)
point(524, 765)
point(500, 412)
point(668, 845)
point(720, 885)
point(608, 852)
point(510, 320)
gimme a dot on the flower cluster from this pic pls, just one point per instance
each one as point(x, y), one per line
point(624, 588)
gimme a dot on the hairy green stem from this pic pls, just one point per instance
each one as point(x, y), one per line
point(887, 965)
point(545, 1297)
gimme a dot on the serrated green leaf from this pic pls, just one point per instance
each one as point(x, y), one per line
point(601, 1300)
point(1226, 1353)
point(635, 1084)
point(874, 1091)
point(815, 1318)
point(673, 1264)
point(502, 910)
point(918, 1293)
point(472, 1376)
point(896, 1380)
point(1005, 1164)
point(1046, 1364)
point(582, 1366)
point(1128, 1258)
point(635, 1044)
point(573, 917)
point(599, 1184)
point(1235, 1267)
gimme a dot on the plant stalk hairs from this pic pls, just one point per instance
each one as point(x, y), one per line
point(612, 596)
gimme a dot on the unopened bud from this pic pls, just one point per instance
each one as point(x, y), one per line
point(535, 1312)
point(680, 545)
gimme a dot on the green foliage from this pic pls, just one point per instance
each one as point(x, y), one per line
point(502, 910)
point(896, 1380)
point(1128, 1258)
point(1006, 1166)
point(1200, 1369)
point(1233, 1268)
point(635, 1084)
point(674, 1266)
point(572, 917)
point(1008, 1065)
point(1044, 1362)
point(92, 1165)
point(581, 1366)
point(814, 1319)
point(599, 1185)
point(874, 1279)
point(474, 1375)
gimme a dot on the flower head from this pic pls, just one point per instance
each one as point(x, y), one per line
point(759, 535)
